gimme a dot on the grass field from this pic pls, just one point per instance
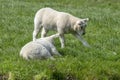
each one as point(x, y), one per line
point(101, 62)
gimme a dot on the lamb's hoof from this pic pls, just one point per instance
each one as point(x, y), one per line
point(52, 58)
point(62, 47)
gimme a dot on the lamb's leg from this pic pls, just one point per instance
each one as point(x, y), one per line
point(44, 32)
point(55, 52)
point(37, 28)
point(48, 55)
point(82, 40)
point(52, 58)
point(62, 40)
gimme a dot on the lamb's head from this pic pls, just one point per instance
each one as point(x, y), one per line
point(80, 26)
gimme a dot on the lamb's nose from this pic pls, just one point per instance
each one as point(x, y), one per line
point(84, 33)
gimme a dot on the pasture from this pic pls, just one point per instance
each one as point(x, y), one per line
point(100, 62)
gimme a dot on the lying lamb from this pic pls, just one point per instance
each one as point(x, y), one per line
point(41, 48)
point(49, 19)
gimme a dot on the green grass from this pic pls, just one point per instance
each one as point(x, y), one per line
point(101, 62)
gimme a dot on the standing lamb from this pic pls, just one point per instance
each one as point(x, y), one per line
point(49, 19)
point(40, 49)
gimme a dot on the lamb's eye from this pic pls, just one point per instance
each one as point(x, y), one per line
point(81, 27)
point(81, 24)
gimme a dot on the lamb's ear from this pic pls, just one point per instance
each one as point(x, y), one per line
point(86, 19)
point(55, 35)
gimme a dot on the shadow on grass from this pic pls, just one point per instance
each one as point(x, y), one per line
point(4, 76)
point(62, 76)
point(58, 75)
point(54, 74)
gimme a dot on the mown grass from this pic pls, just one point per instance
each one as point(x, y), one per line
point(101, 62)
